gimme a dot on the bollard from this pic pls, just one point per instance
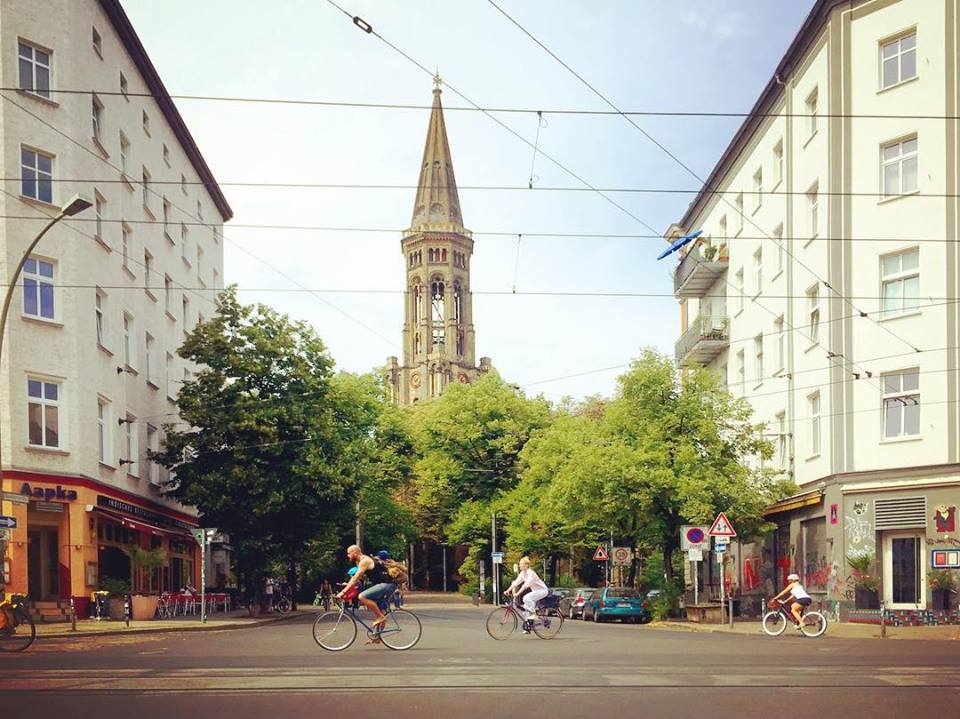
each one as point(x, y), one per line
point(73, 615)
point(883, 621)
point(126, 608)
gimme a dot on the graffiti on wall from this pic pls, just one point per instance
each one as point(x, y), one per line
point(945, 518)
point(858, 525)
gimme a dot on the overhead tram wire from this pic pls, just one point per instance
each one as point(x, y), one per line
point(505, 110)
point(483, 233)
point(189, 214)
point(682, 164)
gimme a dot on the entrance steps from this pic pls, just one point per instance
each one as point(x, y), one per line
point(48, 612)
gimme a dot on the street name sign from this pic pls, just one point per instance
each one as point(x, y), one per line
point(721, 527)
point(8, 522)
point(497, 557)
point(601, 555)
point(694, 537)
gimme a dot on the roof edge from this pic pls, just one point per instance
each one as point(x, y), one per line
point(131, 41)
point(804, 38)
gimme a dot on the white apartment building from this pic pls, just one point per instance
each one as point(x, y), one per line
point(89, 371)
point(824, 290)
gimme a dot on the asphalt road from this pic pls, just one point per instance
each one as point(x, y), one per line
point(589, 670)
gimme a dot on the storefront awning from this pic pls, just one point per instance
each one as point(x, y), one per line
point(797, 501)
point(142, 526)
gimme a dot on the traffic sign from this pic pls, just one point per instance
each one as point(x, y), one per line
point(694, 555)
point(200, 534)
point(721, 527)
point(720, 549)
point(694, 537)
point(721, 541)
point(622, 556)
point(601, 554)
point(497, 557)
point(8, 522)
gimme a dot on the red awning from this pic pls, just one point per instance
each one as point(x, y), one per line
point(142, 526)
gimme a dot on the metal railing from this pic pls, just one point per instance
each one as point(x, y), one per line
point(695, 257)
point(705, 328)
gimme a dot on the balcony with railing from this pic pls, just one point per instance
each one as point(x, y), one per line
point(703, 342)
point(703, 265)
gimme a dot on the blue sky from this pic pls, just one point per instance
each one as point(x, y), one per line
point(713, 55)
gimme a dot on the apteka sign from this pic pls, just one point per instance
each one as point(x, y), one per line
point(48, 493)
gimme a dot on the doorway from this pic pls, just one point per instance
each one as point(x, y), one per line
point(904, 571)
point(43, 564)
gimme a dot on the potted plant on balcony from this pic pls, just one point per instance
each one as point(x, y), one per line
point(709, 252)
point(943, 584)
point(865, 584)
point(723, 254)
point(144, 606)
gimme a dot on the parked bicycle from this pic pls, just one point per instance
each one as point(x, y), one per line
point(337, 629)
point(18, 631)
point(503, 621)
point(812, 623)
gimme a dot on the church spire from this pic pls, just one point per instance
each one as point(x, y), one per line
point(437, 207)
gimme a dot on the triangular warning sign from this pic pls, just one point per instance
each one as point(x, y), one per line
point(721, 527)
point(600, 555)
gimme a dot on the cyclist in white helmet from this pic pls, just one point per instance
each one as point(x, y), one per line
point(798, 597)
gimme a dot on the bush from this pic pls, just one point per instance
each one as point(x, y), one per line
point(567, 581)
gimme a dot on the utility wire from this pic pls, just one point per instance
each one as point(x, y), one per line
point(452, 108)
point(682, 164)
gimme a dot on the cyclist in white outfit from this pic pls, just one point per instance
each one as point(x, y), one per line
point(528, 579)
point(798, 597)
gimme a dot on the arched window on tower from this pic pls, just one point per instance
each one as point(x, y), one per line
point(457, 303)
point(416, 344)
point(417, 303)
point(443, 255)
point(460, 345)
point(437, 315)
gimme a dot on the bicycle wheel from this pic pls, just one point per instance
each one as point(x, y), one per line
point(401, 630)
point(501, 623)
point(549, 624)
point(19, 637)
point(814, 624)
point(774, 623)
point(334, 631)
point(283, 605)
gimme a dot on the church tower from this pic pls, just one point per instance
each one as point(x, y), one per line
point(438, 334)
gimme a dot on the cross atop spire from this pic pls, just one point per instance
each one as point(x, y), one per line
point(437, 206)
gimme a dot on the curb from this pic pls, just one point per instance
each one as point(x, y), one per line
point(171, 630)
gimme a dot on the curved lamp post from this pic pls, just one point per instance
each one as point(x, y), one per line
point(74, 206)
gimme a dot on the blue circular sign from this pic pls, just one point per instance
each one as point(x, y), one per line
point(695, 535)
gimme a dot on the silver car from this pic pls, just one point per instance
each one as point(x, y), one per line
point(571, 606)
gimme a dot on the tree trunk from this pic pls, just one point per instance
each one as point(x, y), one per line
point(292, 581)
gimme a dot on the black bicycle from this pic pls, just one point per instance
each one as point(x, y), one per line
point(19, 631)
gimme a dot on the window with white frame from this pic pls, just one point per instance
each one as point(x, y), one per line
point(757, 189)
point(901, 404)
point(185, 306)
point(99, 207)
point(813, 210)
point(148, 272)
point(781, 342)
point(166, 219)
point(781, 421)
point(43, 413)
point(812, 103)
point(101, 318)
point(781, 250)
point(758, 269)
point(124, 155)
point(150, 348)
point(97, 118)
point(723, 228)
point(153, 445)
point(778, 162)
point(126, 238)
point(738, 203)
point(742, 372)
point(129, 353)
point(124, 87)
point(168, 377)
point(898, 60)
point(104, 427)
point(38, 289)
point(200, 263)
point(813, 409)
point(97, 43)
point(898, 167)
point(131, 437)
point(34, 64)
point(145, 183)
point(167, 294)
point(900, 282)
point(740, 289)
point(758, 357)
point(813, 310)
point(184, 239)
point(36, 175)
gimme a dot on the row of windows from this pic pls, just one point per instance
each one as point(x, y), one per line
point(435, 255)
point(45, 418)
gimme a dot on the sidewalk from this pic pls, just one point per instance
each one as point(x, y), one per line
point(237, 619)
point(843, 630)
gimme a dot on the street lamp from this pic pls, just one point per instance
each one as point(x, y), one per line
point(74, 206)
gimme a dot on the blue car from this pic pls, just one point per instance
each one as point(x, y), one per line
point(616, 603)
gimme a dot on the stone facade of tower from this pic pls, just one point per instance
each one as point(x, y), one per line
point(439, 345)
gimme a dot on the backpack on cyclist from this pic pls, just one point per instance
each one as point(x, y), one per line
point(397, 572)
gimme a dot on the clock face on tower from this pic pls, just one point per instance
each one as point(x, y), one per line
point(415, 379)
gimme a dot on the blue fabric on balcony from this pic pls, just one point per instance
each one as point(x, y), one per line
point(677, 244)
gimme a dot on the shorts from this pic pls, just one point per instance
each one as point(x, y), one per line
point(378, 591)
point(805, 602)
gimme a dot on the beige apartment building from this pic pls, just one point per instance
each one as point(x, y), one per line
point(89, 371)
point(824, 290)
